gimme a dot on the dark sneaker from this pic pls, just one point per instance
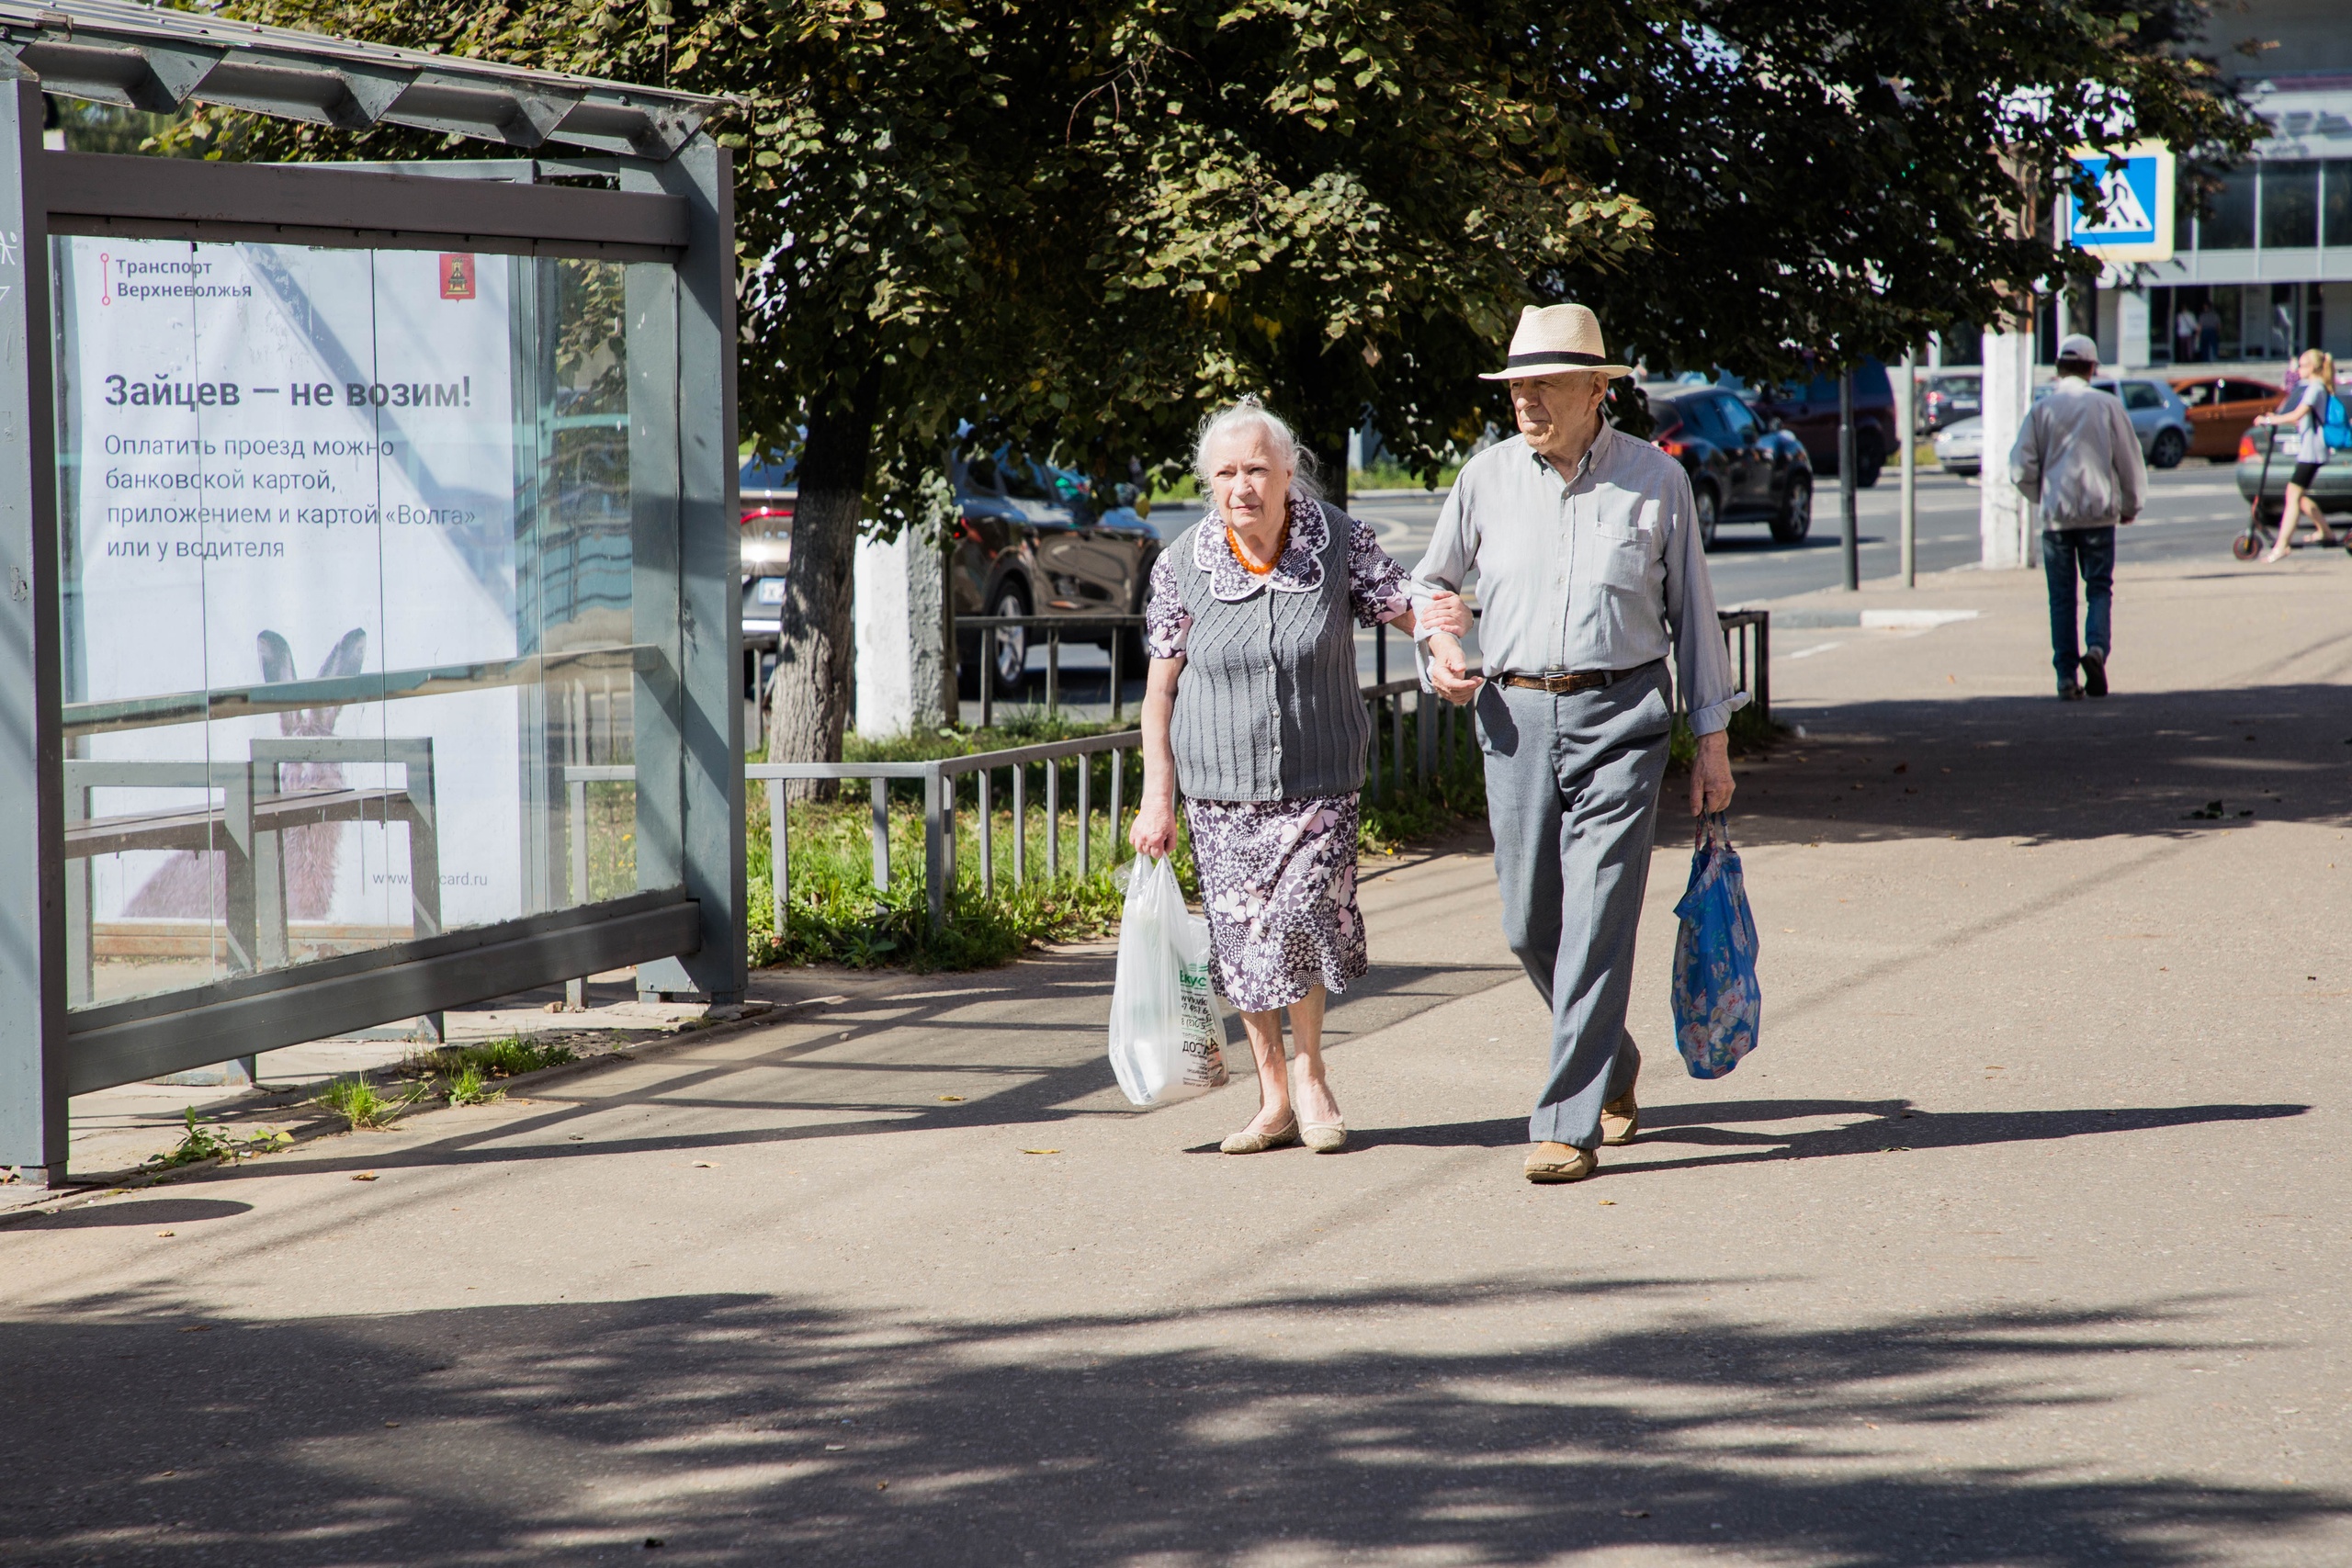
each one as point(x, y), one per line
point(2095, 672)
point(2070, 692)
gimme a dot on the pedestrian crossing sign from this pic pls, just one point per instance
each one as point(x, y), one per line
point(2134, 216)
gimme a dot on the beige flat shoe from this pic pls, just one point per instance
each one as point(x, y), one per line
point(1620, 1119)
point(1247, 1143)
point(1323, 1137)
point(1560, 1162)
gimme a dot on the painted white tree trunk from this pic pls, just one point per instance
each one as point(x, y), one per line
point(903, 671)
point(2005, 519)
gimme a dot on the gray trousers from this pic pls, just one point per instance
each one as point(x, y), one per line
point(1572, 786)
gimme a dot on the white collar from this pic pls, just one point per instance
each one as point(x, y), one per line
point(1300, 570)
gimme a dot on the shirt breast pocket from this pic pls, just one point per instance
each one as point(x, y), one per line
point(1622, 554)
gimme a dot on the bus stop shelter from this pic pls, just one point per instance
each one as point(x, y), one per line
point(347, 512)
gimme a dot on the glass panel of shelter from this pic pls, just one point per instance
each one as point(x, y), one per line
point(346, 544)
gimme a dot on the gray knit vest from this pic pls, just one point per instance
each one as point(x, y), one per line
point(1267, 708)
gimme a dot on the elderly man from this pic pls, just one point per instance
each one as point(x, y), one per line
point(2077, 458)
point(1589, 571)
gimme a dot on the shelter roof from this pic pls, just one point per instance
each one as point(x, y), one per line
point(147, 57)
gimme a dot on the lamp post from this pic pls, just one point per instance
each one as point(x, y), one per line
point(1906, 417)
point(1849, 537)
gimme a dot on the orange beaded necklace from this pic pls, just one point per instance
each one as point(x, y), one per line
point(1249, 562)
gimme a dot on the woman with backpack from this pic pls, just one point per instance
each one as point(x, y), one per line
point(2315, 409)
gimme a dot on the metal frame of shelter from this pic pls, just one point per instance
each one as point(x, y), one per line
point(671, 204)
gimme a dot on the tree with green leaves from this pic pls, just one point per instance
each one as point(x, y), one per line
point(1076, 226)
point(1847, 178)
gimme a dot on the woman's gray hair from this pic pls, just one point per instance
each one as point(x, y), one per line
point(1305, 473)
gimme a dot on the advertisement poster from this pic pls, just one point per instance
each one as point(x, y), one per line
point(287, 463)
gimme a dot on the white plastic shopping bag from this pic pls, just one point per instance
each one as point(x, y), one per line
point(1166, 1035)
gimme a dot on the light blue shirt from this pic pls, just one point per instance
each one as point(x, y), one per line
point(1605, 571)
point(2311, 428)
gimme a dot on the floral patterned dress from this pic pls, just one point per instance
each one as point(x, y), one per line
point(1278, 877)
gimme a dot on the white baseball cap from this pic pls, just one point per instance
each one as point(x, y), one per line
point(2074, 346)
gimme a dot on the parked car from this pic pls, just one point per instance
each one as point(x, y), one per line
point(1959, 446)
point(1949, 395)
point(1740, 471)
point(1030, 540)
point(2331, 487)
point(2158, 417)
point(766, 492)
point(2221, 408)
point(1809, 412)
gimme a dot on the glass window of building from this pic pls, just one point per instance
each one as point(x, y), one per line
point(2290, 205)
point(2229, 225)
point(2336, 203)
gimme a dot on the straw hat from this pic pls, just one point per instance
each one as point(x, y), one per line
point(1552, 338)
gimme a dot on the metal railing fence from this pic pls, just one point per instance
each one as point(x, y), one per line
point(1438, 733)
point(1054, 626)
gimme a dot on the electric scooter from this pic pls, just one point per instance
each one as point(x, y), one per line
point(2259, 534)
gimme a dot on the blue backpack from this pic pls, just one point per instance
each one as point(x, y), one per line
point(2338, 429)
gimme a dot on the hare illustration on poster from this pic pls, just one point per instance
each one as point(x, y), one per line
point(296, 465)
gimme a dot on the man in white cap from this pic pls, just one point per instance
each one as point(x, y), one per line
point(2079, 457)
point(1590, 572)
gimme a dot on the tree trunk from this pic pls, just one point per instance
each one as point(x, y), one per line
point(809, 699)
point(1335, 472)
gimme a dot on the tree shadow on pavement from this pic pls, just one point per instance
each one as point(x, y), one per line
point(2035, 768)
point(744, 1431)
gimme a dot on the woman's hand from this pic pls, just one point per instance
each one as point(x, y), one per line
point(1154, 830)
point(1444, 613)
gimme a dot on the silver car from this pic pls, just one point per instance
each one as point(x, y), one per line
point(2158, 417)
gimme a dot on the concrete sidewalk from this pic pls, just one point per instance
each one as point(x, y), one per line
point(2017, 1243)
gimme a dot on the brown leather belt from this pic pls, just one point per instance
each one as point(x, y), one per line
point(1563, 684)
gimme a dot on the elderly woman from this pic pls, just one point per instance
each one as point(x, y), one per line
point(1252, 710)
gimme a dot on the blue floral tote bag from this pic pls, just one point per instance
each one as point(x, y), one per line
point(1717, 1003)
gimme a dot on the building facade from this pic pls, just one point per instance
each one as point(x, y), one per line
point(2267, 271)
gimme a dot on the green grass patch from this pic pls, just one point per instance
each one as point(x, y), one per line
point(205, 1141)
point(467, 1087)
point(362, 1104)
point(838, 915)
point(509, 1057)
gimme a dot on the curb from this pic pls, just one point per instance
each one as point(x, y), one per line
point(139, 1179)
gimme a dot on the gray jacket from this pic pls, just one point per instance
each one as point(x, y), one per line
point(1268, 708)
point(2079, 457)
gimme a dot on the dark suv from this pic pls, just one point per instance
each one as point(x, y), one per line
point(1809, 412)
point(1030, 540)
point(1740, 471)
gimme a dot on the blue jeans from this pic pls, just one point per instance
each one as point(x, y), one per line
point(2066, 551)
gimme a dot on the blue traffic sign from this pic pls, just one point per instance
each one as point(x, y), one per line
point(2134, 216)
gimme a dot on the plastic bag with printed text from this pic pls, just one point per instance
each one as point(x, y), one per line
point(1167, 1033)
